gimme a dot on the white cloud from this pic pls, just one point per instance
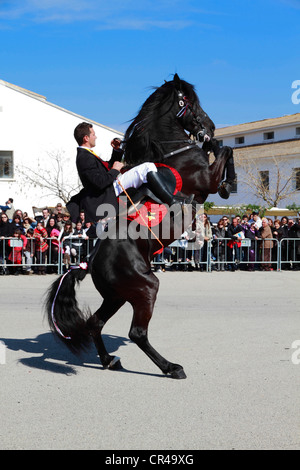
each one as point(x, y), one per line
point(292, 3)
point(142, 24)
point(113, 14)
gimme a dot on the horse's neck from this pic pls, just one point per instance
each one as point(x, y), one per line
point(170, 136)
point(192, 157)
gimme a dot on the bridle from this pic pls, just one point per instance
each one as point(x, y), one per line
point(184, 104)
point(185, 108)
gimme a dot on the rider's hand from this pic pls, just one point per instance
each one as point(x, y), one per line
point(115, 143)
point(117, 166)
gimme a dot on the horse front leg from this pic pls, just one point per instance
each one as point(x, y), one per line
point(228, 175)
point(142, 313)
point(222, 171)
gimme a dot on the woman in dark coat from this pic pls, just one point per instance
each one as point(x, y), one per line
point(253, 234)
point(219, 233)
point(5, 232)
point(17, 224)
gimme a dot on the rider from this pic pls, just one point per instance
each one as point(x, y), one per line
point(100, 179)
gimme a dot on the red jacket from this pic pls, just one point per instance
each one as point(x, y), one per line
point(15, 256)
point(40, 236)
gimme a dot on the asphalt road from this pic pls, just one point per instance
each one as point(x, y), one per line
point(234, 333)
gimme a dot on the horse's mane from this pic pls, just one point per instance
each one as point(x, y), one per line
point(142, 138)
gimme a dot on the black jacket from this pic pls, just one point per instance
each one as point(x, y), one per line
point(97, 179)
point(231, 231)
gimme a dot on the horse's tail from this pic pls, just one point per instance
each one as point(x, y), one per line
point(64, 316)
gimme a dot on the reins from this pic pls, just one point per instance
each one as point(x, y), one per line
point(175, 152)
point(139, 213)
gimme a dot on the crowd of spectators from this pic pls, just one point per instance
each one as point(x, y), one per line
point(42, 239)
point(247, 243)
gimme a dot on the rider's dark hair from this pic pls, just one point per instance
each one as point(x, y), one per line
point(83, 129)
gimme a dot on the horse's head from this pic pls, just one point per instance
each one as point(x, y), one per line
point(177, 101)
point(190, 114)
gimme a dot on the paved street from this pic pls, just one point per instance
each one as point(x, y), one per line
point(232, 332)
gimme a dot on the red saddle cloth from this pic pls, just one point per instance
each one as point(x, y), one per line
point(151, 213)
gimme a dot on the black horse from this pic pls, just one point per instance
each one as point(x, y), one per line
point(121, 268)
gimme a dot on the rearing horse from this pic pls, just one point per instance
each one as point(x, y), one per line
point(121, 268)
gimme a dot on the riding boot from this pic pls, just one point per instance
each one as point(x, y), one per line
point(158, 186)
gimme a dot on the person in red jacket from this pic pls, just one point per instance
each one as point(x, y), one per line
point(17, 244)
point(41, 246)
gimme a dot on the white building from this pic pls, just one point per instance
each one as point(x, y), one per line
point(267, 150)
point(33, 134)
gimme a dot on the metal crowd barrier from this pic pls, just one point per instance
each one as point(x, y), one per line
point(182, 255)
point(14, 259)
point(216, 254)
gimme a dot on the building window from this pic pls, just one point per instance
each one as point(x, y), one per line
point(296, 178)
point(265, 179)
point(240, 140)
point(6, 164)
point(268, 135)
point(220, 142)
point(297, 130)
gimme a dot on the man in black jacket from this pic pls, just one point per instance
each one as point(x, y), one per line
point(96, 175)
point(293, 232)
point(234, 244)
point(101, 179)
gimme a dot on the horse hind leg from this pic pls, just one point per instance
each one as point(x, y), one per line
point(95, 325)
point(142, 313)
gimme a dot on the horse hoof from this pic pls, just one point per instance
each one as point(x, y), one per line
point(224, 190)
point(178, 374)
point(115, 364)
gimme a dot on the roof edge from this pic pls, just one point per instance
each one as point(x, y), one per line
point(247, 127)
point(43, 99)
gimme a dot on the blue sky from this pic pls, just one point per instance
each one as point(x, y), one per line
point(100, 58)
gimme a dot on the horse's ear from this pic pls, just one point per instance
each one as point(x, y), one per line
point(177, 82)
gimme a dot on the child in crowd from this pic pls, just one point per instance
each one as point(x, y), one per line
point(29, 251)
point(17, 244)
point(41, 246)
